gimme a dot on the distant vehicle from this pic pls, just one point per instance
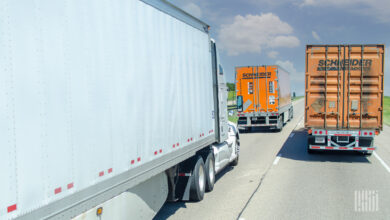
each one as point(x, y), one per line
point(263, 97)
point(344, 96)
point(108, 109)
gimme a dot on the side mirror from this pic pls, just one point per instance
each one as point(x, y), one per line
point(239, 104)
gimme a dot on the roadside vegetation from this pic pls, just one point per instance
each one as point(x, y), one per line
point(231, 95)
point(386, 110)
point(296, 98)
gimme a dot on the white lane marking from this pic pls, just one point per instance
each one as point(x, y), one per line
point(291, 135)
point(277, 159)
point(382, 162)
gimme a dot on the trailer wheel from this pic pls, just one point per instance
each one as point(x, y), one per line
point(279, 127)
point(369, 152)
point(198, 184)
point(210, 170)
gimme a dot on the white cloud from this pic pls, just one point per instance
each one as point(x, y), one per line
point(252, 33)
point(273, 54)
point(297, 78)
point(378, 9)
point(315, 35)
point(193, 9)
point(287, 65)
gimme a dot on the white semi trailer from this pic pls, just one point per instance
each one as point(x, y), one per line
point(107, 109)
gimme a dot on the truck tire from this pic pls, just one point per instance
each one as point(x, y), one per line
point(279, 127)
point(369, 152)
point(198, 184)
point(210, 172)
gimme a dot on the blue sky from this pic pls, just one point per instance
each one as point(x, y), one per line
point(263, 32)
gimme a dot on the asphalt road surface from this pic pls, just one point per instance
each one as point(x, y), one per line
point(277, 179)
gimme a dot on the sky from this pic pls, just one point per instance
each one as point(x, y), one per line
point(266, 32)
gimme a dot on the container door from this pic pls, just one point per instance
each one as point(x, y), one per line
point(245, 81)
point(344, 86)
point(363, 87)
point(324, 90)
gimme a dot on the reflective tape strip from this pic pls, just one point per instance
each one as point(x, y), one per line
point(11, 208)
point(70, 185)
point(101, 173)
point(58, 190)
point(184, 174)
point(109, 170)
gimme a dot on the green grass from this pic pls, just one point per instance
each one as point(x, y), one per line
point(386, 110)
point(233, 118)
point(231, 95)
point(297, 98)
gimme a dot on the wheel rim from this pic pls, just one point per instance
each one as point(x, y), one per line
point(201, 179)
point(211, 171)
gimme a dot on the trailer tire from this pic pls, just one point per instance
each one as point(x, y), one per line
point(369, 152)
point(279, 127)
point(210, 172)
point(198, 184)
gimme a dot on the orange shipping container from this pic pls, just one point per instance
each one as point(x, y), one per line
point(263, 96)
point(344, 92)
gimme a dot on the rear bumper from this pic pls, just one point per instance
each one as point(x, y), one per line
point(257, 121)
point(341, 140)
point(256, 125)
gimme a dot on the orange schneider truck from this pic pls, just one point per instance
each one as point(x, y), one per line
point(344, 96)
point(263, 97)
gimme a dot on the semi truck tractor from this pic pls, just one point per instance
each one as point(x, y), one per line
point(263, 97)
point(108, 109)
point(344, 96)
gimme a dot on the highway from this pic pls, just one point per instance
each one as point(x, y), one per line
point(277, 179)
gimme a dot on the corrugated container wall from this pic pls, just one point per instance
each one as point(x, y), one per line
point(344, 86)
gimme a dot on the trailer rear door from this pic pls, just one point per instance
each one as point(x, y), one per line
point(344, 86)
